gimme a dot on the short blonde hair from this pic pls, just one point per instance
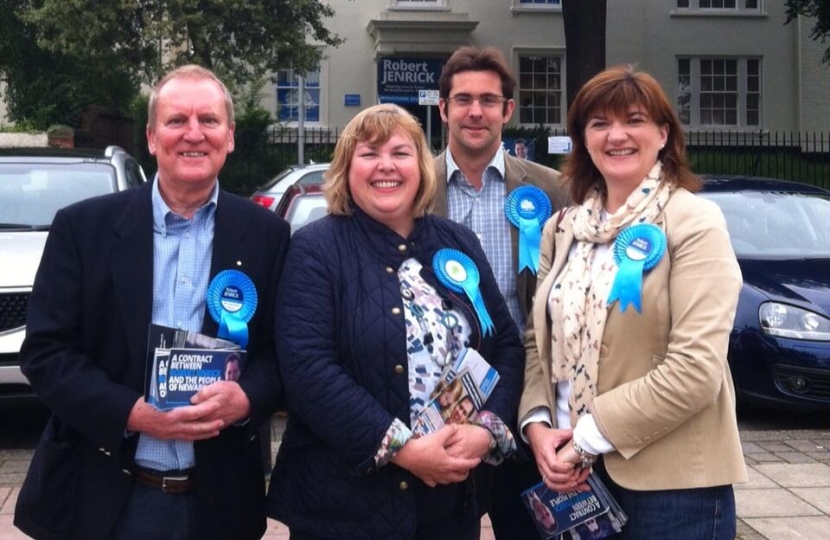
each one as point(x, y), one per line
point(190, 71)
point(377, 125)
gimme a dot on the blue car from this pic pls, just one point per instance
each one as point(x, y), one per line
point(779, 349)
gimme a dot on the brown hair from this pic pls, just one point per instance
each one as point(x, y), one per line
point(377, 125)
point(190, 71)
point(474, 59)
point(614, 91)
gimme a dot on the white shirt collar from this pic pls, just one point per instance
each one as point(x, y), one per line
point(497, 162)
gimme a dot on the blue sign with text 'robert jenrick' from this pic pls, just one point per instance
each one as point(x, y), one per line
point(400, 79)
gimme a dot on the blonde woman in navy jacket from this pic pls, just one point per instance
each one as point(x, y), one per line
point(365, 329)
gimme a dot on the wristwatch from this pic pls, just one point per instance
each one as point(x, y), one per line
point(587, 459)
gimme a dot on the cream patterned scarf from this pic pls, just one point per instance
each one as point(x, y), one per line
point(578, 303)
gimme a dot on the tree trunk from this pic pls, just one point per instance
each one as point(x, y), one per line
point(584, 42)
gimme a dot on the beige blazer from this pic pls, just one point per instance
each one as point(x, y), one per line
point(665, 397)
point(517, 172)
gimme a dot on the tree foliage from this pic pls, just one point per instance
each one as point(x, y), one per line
point(48, 87)
point(239, 39)
point(819, 10)
point(59, 56)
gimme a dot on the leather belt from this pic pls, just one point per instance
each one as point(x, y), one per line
point(174, 484)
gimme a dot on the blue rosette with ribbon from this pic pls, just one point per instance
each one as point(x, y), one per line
point(232, 301)
point(528, 208)
point(457, 272)
point(637, 250)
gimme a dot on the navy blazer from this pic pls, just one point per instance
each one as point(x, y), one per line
point(85, 353)
point(343, 358)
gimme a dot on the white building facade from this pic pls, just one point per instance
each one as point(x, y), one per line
point(728, 64)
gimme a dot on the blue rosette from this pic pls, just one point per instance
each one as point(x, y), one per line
point(528, 208)
point(457, 272)
point(637, 250)
point(232, 301)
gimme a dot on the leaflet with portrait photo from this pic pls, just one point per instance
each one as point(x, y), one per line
point(180, 363)
point(483, 373)
point(595, 528)
point(555, 513)
point(461, 392)
point(457, 402)
point(605, 525)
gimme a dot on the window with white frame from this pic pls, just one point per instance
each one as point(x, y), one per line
point(418, 4)
point(539, 3)
point(720, 5)
point(531, 6)
point(541, 89)
point(288, 96)
point(719, 92)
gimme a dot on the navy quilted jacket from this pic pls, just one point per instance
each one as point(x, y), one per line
point(342, 350)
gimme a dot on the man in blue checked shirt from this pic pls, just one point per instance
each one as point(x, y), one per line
point(475, 175)
point(110, 466)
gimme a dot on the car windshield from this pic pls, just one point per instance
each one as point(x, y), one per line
point(776, 224)
point(272, 182)
point(311, 177)
point(291, 176)
point(31, 194)
point(305, 209)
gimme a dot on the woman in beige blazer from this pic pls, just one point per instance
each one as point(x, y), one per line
point(637, 291)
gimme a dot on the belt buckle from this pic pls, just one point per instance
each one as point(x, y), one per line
point(165, 479)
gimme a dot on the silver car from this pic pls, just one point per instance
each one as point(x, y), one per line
point(34, 184)
point(270, 193)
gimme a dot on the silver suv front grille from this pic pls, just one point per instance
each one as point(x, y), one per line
point(13, 310)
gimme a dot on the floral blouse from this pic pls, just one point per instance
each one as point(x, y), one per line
point(435, 334)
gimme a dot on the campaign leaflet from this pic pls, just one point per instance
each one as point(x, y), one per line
point(554, 513)
point(180, 363)
point(603, 526)
point(462, 391)
point(595, 528)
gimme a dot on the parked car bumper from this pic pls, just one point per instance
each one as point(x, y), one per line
point(13, 384)
point(783, 372)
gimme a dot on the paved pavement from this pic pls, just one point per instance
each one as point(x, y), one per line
point(787, 496)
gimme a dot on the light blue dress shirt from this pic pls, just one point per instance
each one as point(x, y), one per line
point(483, 213)
point(182, 253)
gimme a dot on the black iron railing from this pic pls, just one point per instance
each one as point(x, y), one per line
point(798, 156)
